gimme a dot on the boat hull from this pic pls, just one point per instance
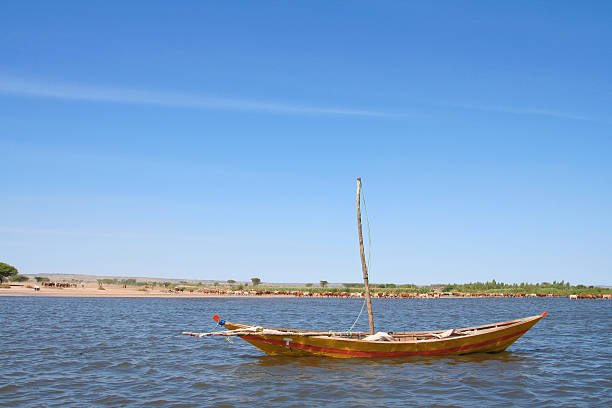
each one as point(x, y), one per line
point(485, 339)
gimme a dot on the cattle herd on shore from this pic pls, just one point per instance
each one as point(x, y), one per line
point(388, 295)
point(59, 284)
point(261, 291)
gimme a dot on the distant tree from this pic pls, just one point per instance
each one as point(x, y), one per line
point(41, 279)
point(6, 271)
point(256, 281)
point(216, 283)
point(19, 278)
point(323, 283)
point(308, 285)
point(231, 281)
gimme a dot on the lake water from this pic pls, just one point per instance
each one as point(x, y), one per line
point(129, 352)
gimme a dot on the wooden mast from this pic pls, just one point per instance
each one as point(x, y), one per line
point(364, 267)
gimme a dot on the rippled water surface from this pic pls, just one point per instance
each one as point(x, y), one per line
point(129, 352)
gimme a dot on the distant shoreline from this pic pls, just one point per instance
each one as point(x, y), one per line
point(92, 291)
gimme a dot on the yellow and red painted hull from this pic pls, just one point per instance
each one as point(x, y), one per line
point(486, 339)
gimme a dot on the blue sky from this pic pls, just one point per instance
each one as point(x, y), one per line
point(210, 140)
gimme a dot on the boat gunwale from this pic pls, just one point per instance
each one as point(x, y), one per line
point(479, 330)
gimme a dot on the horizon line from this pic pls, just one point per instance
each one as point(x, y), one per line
point(288, 283)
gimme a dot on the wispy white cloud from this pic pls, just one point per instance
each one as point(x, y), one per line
point(25, 87)
point(522, 111)
point(19, 86)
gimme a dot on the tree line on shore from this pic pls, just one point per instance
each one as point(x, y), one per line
point(561, 288)
point(556, 287)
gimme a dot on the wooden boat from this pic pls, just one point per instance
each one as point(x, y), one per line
point(489, 338)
